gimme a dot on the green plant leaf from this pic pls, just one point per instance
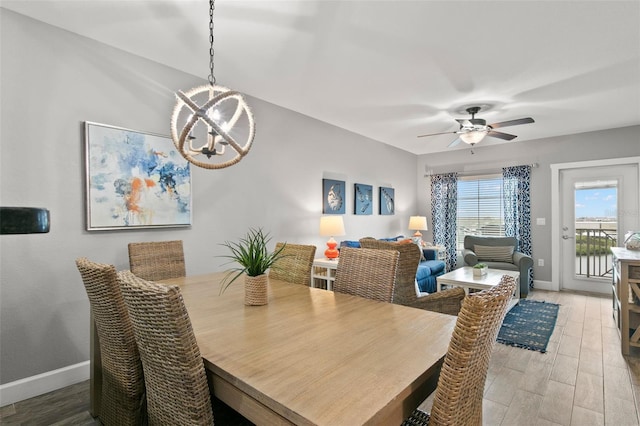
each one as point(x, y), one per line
point(252, 254)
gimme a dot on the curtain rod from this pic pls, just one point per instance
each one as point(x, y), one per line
point(471, 170)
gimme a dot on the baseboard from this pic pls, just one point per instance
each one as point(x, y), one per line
point(42, 383)
point(543, 285)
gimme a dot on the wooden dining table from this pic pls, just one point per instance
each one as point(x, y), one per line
point(312, 356)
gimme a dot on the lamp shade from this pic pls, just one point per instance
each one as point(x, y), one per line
point(331, 226)
point(418, 223)
point(473, 137)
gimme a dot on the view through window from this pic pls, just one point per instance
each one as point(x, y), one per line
point(480, 207)
point(596, 206)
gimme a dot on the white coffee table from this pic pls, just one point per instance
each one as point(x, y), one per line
point(463, 277)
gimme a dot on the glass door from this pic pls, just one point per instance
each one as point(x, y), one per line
point(594, 200)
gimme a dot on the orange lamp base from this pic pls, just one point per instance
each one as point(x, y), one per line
point(331, 252)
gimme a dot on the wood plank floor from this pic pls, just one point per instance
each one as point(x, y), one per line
point(583, 379)
point(66, 406)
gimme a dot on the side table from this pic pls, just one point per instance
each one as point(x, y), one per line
point(323, 273)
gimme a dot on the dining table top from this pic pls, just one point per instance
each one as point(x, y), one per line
point(313, 356)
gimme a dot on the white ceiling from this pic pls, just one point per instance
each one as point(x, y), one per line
point(392, 70)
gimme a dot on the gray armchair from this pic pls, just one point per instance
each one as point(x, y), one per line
point(514, 262)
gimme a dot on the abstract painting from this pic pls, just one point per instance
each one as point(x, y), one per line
point(387, 200)
point(134, 180)
point(333, 196)
point(363, 202)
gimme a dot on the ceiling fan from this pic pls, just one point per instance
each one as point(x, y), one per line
point(473, 130)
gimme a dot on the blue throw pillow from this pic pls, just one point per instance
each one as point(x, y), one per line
point(347, 243)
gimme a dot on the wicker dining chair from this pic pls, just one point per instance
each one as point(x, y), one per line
point(157, 260)
point(177, 389)
point(122, 393)
point(458, 396)
point(295, 264)
point(367, 273)
point(446, 302)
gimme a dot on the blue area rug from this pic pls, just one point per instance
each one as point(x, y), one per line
point(529, 325)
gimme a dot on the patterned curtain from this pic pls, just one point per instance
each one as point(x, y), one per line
point(517, 208)
point(444, 206)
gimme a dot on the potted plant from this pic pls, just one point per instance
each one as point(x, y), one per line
point(254, 258)
point(480, 269)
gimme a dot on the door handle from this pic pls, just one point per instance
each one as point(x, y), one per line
point(566, 237)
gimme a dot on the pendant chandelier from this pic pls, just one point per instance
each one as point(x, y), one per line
point(215, 121)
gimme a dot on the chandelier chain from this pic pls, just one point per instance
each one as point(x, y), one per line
point(212, 78)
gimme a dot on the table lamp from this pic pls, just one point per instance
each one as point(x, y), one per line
point(331, 226)
point(418, 223)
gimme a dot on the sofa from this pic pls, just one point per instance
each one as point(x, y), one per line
point(498, 253)
point(428, 269)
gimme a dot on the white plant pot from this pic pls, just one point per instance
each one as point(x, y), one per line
point(480, 272)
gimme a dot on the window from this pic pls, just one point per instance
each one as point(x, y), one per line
point(480, 207)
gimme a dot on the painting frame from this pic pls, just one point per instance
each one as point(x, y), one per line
point(362, 199)
point(387, 201)
point(333, 196)
point(134, 180)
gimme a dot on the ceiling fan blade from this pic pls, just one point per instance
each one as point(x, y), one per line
point(454, 143)
point(512, 122)
point(435, 134)
point(500, 135)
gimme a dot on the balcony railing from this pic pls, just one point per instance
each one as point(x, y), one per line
point(593, 257)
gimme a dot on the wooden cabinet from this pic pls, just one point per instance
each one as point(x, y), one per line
point(626, 296)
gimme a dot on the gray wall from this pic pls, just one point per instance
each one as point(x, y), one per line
point(51, 82)
point(615, 143)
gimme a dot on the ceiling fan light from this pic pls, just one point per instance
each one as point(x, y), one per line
point(473, 137)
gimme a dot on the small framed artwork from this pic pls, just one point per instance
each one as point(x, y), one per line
point(134, 180)
point(363, 199)
point(387, 201)
point(333, 196)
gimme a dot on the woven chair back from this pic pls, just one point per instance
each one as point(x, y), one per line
point(177, 389)
point(458, 397)
point(157, 260)
point(446, 302)
point(122, 401)
point(295, 264)
point(367, 273)
point(408, 261)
